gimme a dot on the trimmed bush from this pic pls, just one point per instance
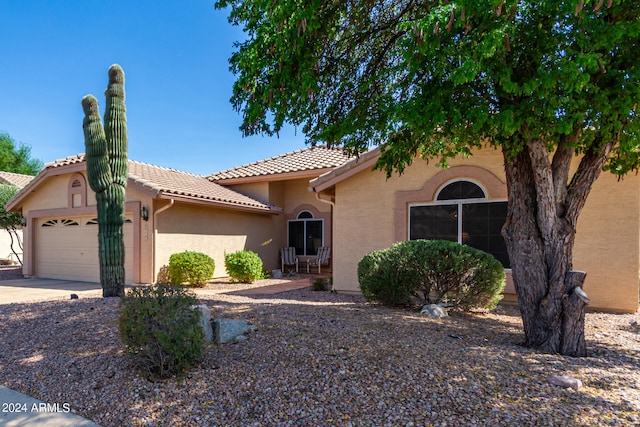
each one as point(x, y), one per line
point(160, 327)
point(319, 284)
point(244, 266)
point(381, 280)
point(434, 271)
point(190, 267)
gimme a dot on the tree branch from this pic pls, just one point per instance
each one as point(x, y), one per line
point(544, 184)
point(588, 171)
point(560, 166)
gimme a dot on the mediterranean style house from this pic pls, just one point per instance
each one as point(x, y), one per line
point(467, 203)
point(311, 198)
point(261, 207)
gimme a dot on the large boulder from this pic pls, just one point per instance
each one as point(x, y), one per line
point(564, 381)
point(434, 311)
point(228, 330)
point(205, 322)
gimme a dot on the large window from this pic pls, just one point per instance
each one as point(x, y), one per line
point(306, 234)
point(462, 213)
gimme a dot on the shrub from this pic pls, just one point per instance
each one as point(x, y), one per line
point(435, 271)
point(163, 276)
point(381, 280)
point(190, 267)
point(160, 327)
point(244, 266)
point(319, 284)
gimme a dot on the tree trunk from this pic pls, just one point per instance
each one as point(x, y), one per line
point(539, 239)
point(13, 233)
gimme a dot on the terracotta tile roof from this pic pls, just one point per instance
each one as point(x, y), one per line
point(168, 181)
point(308, 159)
point(16, 179)
point(355, 165)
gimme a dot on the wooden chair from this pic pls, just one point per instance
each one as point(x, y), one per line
point(288, 257)
point(321, 259)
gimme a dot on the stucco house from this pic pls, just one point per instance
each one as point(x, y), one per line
point(467, 203)
point(310, 198)
point(261, 206)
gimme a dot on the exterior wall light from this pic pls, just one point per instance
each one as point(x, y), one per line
point(144, 212)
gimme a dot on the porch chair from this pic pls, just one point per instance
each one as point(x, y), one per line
point(321, 259)
point(288, 257)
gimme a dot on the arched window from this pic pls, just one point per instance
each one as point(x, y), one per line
point(77, 191)
point(462, 213)
point(306, 233)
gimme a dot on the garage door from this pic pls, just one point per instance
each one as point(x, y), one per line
point(67, 248)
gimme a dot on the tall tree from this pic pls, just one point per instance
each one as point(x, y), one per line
point(543, 82)
point(16, 157)
point(11, 221)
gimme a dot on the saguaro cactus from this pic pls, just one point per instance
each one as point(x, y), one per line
point(107, 170)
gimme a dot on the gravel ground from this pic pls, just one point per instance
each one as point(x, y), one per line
point(321, 359)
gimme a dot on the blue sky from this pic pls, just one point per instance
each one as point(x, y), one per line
point(175, 58)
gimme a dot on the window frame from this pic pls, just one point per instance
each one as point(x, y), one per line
point(304, 221)
point(458, 202)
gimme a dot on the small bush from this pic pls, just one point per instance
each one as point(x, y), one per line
point(381, 280)
point(319, 284)
point(435, 271)
point(160, 327)
point(190, 267)
point(244, 266)
point(163, 276)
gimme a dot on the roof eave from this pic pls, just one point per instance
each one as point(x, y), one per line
point(49, 171)
point(266, 210)
point(286, 176)
point(352, 167)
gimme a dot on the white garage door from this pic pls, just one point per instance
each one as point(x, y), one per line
point(67, 248)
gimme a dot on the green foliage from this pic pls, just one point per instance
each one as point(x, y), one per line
point(8, 220)
point(16, 157)
point(434, 271)
point(383, 281)
point(190, 267)
point(107, 172)
point(440, 78)
point(160, 327)
point(244, 266)
point(541, 82)
point(11, 221)
point(319, 284)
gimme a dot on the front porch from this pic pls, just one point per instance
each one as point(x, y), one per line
point(270, 286)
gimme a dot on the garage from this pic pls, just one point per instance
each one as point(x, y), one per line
point(67, 248)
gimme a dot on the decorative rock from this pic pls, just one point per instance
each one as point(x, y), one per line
point(74, 296)
point(227, 330)
point(205, 322)
point(564, 381)
point(434, 311)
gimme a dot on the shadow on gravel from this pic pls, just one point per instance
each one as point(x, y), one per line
point(310, 361)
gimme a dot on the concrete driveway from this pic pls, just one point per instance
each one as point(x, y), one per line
point(24, 290)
